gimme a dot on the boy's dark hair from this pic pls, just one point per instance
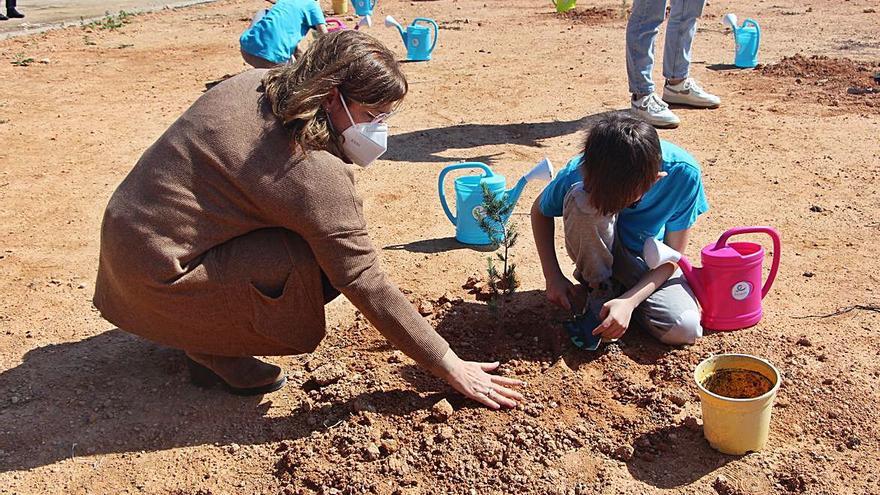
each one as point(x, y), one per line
point(621, 161)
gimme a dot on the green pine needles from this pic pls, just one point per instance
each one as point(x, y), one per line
point(502, 233)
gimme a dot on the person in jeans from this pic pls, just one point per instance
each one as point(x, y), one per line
point(625, 187)
point(11, 13)
point(641, 31)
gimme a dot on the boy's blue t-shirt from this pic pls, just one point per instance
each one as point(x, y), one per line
point(274, 37)
point(673, 203)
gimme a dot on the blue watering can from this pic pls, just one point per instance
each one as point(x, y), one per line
point(469, 196)
point(748, 40)
point(364, 8)
point(416, 38)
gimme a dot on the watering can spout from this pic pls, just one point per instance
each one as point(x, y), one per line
point(657, 253)
point(390, 21)
point(730, 21)
point(542, 171)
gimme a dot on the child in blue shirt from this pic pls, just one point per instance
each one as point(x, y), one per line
point(626, 186)
point(273, 37)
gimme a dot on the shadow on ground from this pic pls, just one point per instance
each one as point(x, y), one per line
point(432, 246)
point(115, 392)
point(431, 145)
point(674, 456)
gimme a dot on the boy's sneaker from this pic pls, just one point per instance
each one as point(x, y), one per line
point(689, 93)
point(654, 111)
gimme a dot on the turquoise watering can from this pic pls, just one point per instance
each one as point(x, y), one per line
point(748, 41)
point(469, 196)
point(417, 39)
point(364, 7)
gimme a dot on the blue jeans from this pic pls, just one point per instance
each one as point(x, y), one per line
point(641, 30)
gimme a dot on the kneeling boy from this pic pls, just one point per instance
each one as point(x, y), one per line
point(626, 186)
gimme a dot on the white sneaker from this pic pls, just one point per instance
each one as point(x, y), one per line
point(689, 93)
point(655, 111)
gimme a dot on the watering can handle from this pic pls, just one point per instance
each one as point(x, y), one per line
point(777, 249)
point(757, 28)
point(448, 169)
point(436, 30)
point(373, 4)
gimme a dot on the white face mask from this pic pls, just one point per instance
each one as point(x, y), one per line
point(365, 142)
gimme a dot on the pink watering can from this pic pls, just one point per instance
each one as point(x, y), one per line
point(334, 24)
point(728, 286)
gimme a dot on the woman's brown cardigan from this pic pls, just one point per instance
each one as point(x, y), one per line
point(224, 170)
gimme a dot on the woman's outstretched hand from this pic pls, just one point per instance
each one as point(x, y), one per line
point(474, 381)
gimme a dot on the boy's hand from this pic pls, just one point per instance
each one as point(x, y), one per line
point(615, 316)
point(561, 292)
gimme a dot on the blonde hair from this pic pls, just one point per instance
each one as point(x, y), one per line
point(360, 66)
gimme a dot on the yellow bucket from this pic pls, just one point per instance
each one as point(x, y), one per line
point(736, 426)
point(340, 6)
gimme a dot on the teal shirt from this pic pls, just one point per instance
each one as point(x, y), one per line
point(274, 37)
point(673, 203)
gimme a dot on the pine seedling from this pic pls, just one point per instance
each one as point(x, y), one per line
point(495, 222)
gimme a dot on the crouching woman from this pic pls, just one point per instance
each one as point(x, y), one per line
point(237, 226)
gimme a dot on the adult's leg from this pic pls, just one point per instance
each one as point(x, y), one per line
point(641, 31)
point(11, 11)
point(680, 31)
point(671, 313)
point(260, 259)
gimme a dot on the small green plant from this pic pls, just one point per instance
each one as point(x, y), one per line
point(502, 233)
point(111, 22)
point(20, 60)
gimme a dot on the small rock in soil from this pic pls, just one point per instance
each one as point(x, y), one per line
point(623, 453)
point(442, 410)
point(361, 404)
point(809, 274)
point(853, 442)
point(817, 209)
point(398, 466)
point(327, 374)
point(678, 397)
point(724, 486)
point(390, 445)
point(425, 308)
point(692, 423)
point(371, 453)
point(396, 357)
point(804, 342)
point(445, 433)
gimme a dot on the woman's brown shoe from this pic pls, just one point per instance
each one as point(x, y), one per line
point(239, 375)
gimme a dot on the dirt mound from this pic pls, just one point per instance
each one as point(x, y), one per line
point(834, 81)
point(595, 15)
point(818, 67)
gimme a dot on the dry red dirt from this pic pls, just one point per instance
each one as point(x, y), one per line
point(86, 408)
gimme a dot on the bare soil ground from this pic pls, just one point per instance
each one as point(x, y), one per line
point(85, 408)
